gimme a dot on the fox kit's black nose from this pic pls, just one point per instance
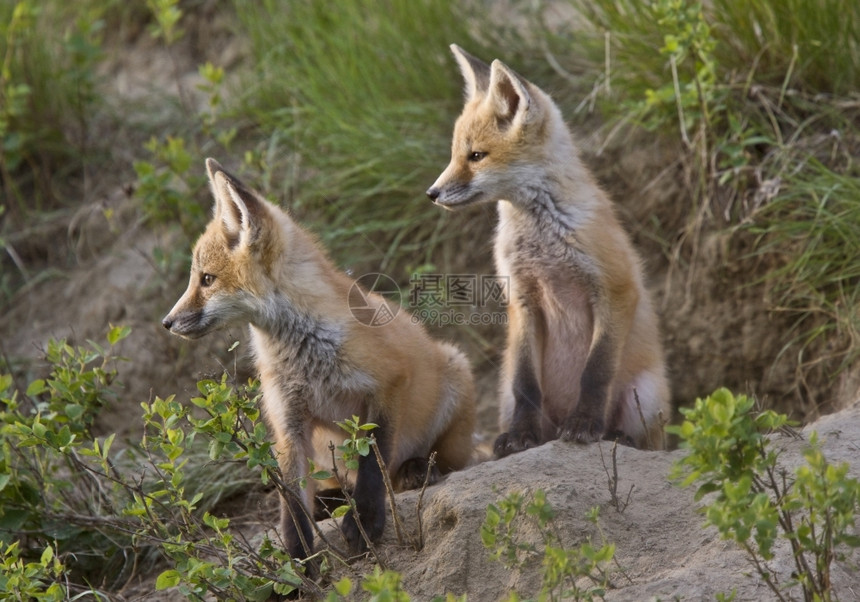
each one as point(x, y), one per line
point(167, 323)
point(433, 193)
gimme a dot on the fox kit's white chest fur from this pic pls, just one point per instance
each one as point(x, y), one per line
point(303, 367)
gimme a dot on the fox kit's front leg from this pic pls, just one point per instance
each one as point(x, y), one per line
point(587, 421)
point(369, 494)
point(292, 451)
point(521, 392)
point(614, 308)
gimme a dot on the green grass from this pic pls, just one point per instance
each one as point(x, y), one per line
point(806, 43)
point(810, 233)
point(355, 106)
point(757, 94)
point(48, 57)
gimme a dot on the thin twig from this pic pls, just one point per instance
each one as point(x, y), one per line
point(647, 430)
point(287, 493)
point(763, 571)
point(612, 479)
point(354, 508)
point(607, 61)
point(386, 478)
point(431, 462)
point(679, 103)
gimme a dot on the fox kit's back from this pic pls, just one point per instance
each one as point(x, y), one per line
point(583, 357)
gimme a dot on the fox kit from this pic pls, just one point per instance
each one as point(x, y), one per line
point(583, 357)
point(318, 364)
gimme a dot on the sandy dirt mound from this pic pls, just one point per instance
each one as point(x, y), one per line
point(663, 551)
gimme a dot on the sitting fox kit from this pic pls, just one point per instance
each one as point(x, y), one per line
point(583, 358)
point(318, 364)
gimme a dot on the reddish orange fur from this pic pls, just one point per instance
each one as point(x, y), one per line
point(318, 364)
point(583, 356)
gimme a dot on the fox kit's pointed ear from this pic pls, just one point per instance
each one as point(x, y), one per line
point(475, 71)
point(509, 94)
point(236, 207)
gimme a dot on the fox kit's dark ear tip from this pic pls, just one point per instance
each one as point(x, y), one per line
point(213, 167)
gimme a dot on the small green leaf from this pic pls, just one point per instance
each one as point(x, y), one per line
point(223, 437)
point(37, 387)
point(74, 411)
point(107, 444)
point(169, 578)
point(47, 556)
point(118, 333)
point(340, 511)
point(343, 587)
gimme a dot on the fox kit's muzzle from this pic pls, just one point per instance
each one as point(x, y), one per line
point(433, 193)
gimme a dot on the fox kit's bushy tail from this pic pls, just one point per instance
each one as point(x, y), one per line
point(318, 364)
point(583, 357)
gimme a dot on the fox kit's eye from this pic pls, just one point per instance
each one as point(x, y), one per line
point(207, 280)
point(476, 156)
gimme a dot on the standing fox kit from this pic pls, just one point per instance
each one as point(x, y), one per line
point(318, 364)
point(583, 358)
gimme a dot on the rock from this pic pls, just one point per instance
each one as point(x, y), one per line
point(663, 550)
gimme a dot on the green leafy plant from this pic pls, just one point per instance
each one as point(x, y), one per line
point(757, 501)
point(384, 586)
point(171, 182)
point(48, 457)
point(64, 490)
point(206, 555)
point(659, 56)
point(381, 586)
point(168, 186)
point(562, 568)
point(167, 16)
point(49, 53)
point(30, 580)
point(357, 445)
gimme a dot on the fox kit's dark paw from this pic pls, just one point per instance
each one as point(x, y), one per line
point(620, 437)
point(373, 522)
point(412, 473)
point(513, 442)
point(582, 429)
